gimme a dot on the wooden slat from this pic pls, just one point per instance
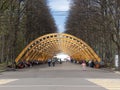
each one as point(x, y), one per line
point(55, 43)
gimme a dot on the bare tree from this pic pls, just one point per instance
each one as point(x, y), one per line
point(97, 23)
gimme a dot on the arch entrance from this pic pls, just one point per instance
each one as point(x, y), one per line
point(49, 45)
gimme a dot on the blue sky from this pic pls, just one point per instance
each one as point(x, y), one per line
point(59, 10)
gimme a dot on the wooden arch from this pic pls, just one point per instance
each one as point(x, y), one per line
point(49, 45)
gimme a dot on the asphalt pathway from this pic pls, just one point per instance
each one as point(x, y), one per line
point(66, 76)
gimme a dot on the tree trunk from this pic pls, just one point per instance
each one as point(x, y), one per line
point(119, 57)
point(2, 52)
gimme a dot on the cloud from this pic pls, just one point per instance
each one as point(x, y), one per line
point(59, 5)
point(60, 17)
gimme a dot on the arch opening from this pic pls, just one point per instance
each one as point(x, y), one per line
point(63, 57)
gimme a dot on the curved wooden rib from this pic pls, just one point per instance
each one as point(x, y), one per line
point(47, 46)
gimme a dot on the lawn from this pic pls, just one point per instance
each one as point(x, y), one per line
point(2, 67)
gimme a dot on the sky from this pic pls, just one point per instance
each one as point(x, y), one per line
point(59, 10)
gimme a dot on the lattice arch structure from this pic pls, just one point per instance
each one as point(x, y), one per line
point(49, 45)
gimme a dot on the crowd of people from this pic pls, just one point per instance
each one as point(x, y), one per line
point(26, 64)
point(52, 62)
point(88, 63)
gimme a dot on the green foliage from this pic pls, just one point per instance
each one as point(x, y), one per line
point(2, 66)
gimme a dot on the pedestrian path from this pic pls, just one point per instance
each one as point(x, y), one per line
point(5, 81)
point(50, 84)
point(74, 83)
point(65, 76)
point(110, 84)
point(65, 66)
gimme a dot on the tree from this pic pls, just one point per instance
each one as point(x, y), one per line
point(21, 22)
point(97, 23)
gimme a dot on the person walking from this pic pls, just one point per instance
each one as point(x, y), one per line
point(53, 62)
point(49, 62)
point(84, 65)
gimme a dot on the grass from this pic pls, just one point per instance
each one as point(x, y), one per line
point(2, 67)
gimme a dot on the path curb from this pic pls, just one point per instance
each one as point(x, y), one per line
point(117, 72)
point(2, 71)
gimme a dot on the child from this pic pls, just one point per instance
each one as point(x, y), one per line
point(84, 66)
